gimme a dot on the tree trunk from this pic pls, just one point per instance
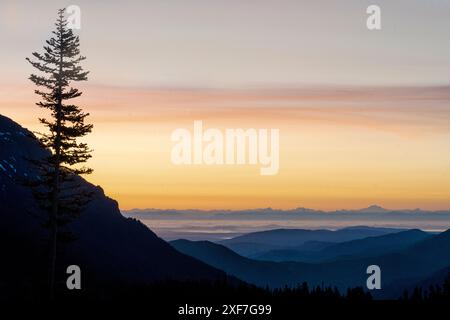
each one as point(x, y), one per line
point(55, 191)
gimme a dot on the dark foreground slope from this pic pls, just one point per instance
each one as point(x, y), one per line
point(109, 247)
point(260, 273)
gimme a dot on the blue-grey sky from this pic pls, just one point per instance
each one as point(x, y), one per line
point(235, 43)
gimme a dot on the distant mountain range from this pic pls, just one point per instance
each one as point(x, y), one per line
point(109, 247)
point(372, 212)
point(217, 225)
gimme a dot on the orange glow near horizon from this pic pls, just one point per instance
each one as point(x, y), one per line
point(338, 148)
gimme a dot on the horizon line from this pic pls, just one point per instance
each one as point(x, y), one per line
point(374, 207)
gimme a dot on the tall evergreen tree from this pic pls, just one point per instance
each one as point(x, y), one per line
point(56, 189)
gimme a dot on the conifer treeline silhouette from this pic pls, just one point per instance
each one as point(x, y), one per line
point(166, 294)
point(434, 293)
point(56, 188)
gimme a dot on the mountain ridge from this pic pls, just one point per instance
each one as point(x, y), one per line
point(109, 247)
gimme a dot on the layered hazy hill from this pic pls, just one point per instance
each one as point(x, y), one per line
point(405, 258)
point(256, 243)
point(368, 246)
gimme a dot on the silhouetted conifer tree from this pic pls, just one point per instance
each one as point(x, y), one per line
point(57, 189)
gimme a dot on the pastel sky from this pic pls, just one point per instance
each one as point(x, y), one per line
point(364, 116)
